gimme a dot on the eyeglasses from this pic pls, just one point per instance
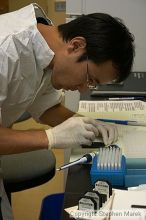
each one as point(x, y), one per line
point(91, 84)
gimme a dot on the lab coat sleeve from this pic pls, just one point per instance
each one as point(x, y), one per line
point(3, 80)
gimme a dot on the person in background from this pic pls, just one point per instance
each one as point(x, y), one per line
point(38, 60)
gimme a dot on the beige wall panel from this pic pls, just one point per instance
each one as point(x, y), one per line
point(4, 6)
point(47, 5)
point(16, 4)
point(56, 17)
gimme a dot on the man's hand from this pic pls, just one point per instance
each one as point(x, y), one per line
point(108, 132)
point(80, 131)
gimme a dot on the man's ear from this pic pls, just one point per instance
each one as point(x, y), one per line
point(77, 44)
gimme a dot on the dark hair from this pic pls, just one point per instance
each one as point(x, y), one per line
point(107, 38)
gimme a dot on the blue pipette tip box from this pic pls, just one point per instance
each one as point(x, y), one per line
point(115, 175)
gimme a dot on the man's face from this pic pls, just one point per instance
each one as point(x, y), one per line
point(69, 74)
point(79, 76)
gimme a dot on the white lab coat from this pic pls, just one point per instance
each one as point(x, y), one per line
point(24, 54)
point(5, 205)
point(25, 82)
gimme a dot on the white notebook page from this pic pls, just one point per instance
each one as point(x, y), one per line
point(132, 139)
point(123, 110)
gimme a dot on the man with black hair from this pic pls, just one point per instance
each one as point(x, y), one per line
point(37, 60)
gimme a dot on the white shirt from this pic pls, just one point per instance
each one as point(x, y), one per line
point(25, 85)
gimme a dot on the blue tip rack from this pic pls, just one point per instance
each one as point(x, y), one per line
point(115, 175)
point(112, 166)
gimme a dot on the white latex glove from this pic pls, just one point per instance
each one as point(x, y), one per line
point(108, 132)
point(80, 131)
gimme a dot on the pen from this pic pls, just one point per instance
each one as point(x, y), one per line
point(123, 122)
point(138, 206)
point(125, 98)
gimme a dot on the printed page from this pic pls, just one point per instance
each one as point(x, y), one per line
point(123, 110)
point(132, 141)
point(122, 209)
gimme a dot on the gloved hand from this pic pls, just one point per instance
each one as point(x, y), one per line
point(80, 131)
point(108, 132)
